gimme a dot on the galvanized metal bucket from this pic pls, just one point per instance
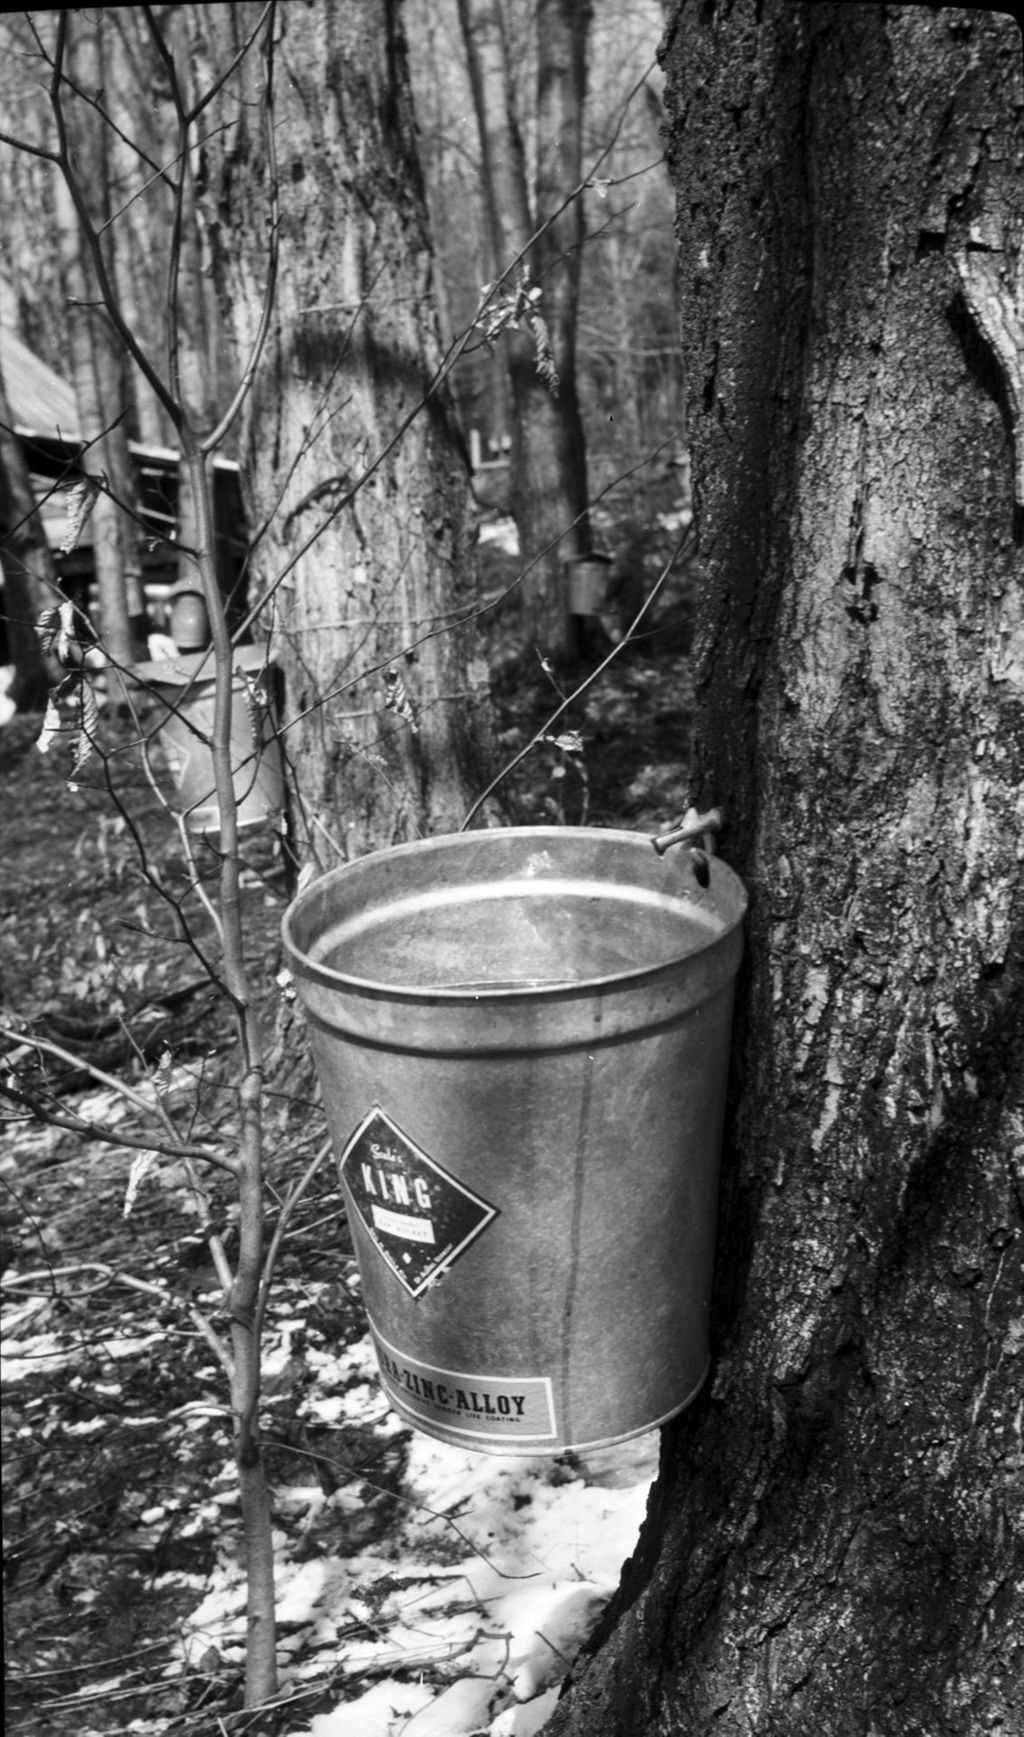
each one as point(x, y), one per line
point(589, 579)
point(184, 688)
point(522, 1038)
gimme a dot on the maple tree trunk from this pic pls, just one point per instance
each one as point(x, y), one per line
point(833, 1542)
point(549, 478)
point(548, 458)
point(96, 364)
point(373, 582)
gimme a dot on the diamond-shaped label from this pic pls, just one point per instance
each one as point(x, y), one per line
point(420, 1218)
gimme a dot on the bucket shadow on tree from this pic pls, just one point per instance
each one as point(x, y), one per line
point(522, 1038)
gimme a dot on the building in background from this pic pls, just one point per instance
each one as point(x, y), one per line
point(45, 421)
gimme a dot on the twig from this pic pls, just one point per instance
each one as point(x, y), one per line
point(98, 1074)
point(586, 683)
point(291, 1201)
point(109, 295)
point(75, 1124)
point(410, 1502)
point(86, 1664)
point(111, 1275)
point(451, 357)
point(215, 437)
point(493, 602)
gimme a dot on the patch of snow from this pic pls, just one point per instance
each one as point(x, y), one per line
point(124, 1345)
point(484, 1589)
point(104, 1106)
point(677, 520)
point(528, 1717)
point(384, 1711)
point(541, 1556)
point(466, 1706)
point(39, 1353)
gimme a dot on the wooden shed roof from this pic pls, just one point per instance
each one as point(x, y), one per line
point(41, 402)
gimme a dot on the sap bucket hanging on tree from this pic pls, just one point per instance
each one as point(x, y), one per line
point(522, 1039)
point(184, 690)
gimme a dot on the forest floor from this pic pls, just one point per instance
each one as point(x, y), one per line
point(407, 1572)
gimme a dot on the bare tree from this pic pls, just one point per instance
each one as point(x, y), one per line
point(243, 1279)
point(539, 242)
point(378, 459)
point(96, 353)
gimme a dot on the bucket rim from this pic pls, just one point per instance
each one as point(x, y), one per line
point(463, 995)
point(195, 669)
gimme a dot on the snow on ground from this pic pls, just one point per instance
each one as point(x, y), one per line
point(466, 1614)
point(484, 1593)
point(458, 1609)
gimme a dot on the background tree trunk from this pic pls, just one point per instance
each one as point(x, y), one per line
point(550, 469)
point(29, 576)
point(832, 1545)
point(548, 458)
point(97, 364)
point(353, 348)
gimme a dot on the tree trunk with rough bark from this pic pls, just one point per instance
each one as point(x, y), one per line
point(365, 589)
point(548, 458)
point(97, 362)
point(834, 1544)
point(551, 432)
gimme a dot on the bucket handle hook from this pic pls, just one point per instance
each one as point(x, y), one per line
point(692, 828)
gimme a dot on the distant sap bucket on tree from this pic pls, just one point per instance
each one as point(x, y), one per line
point(184, 689)
point(189, 618)
point(589, 580)
point(522, 1040)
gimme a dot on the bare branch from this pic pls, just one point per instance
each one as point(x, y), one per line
point(111, 1275)
point(169, 64)
point(452, 355)
point(410, 1502)
point(479, 609)
point(214, 439)
point(108, 292)
point(46, 1046)
point(284, 1217)
point(148, 873)
point(30, 150)
point(584, 685)
point(160, 173)
point(220, 81)
point(72, 1123)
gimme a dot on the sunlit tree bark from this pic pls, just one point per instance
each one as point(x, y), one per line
point(365, 580)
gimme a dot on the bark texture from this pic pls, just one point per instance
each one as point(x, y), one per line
point(548, 458)
point(96, 357)
point(357, 586)
point(551, 438)
point(835, 1543)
